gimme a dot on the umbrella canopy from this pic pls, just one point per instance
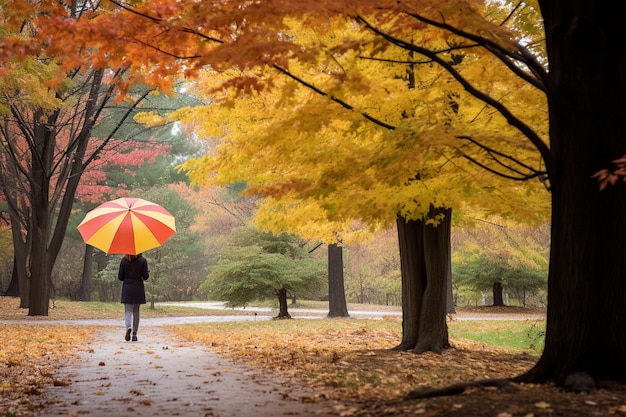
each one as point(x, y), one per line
point(127, 226)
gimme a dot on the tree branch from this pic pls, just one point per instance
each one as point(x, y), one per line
point(335, 99)
point(158, 20)
point(502, 109)
point(539, 74)
point(493, 152)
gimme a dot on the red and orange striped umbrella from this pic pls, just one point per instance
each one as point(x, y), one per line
point(127, 226)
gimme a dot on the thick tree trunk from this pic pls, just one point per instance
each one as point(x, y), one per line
point(40, 272)
point(282, 305)
point(424, 262)
point(498, 299)
point(433, 330)
point(337, 306)
point(411, 240)
point(84, 292)
point(586, 317)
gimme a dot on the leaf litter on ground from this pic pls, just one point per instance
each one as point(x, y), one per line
point(347, 361)
point(351, 362)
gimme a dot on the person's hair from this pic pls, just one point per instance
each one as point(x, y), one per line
point(130, 257)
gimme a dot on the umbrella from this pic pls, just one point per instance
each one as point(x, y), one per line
point(127, 226)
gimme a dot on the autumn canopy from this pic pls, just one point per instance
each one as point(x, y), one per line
point(376, 111)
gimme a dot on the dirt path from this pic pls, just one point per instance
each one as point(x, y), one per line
point(158, 376)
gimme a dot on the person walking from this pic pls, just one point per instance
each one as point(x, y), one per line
point(133, 272)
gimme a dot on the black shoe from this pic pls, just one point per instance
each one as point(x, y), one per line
point(127, 337)
point(134, 337)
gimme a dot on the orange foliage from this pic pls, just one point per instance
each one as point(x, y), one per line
point(29, 356)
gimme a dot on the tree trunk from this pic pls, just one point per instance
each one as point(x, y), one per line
point(21, 248)
point(84, 292)
point(424, 262)
point(498, 300)
point(410, 239)
point(40, 273)
point(586, 317)
point(282, 305)
point(337, 306)
point(433, 332)
point(13, 290)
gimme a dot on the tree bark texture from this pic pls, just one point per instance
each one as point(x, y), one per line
point(21, 249)
point(424, 262)
point(586, 317)
point(84, 291)
point(39, 261)
point(13, 290)
point(337, 306)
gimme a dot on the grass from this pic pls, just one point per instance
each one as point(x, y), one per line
point(514, 336)
point(82, 310)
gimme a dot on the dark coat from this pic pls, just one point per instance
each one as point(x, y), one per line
point(133, 274)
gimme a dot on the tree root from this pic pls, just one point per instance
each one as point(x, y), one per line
point(459, 388)
point(574, 382)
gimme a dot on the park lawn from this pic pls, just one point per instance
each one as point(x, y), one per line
point(84, 310)
point(514, 336)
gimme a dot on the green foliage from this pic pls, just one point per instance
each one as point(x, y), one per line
point(481, 272)
point(514, 256)
point(258, 265)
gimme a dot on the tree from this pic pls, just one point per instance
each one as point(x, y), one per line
point(586, 284)
point(349, 166)
point(398, 169)
point(337, 306)
point(502, 257)
point(261, 265)
point(484, 273)
point(49, 112)
point(423, 258)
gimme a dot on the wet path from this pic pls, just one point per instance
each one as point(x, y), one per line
point(158, 376)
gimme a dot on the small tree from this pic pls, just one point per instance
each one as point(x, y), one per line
point(261, 265)
point(484, 273)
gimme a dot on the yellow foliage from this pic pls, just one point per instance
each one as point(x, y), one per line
point(353, 130)
point(150, 119)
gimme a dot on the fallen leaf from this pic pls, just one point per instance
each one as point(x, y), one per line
point(542, 404)
point(58, 383)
